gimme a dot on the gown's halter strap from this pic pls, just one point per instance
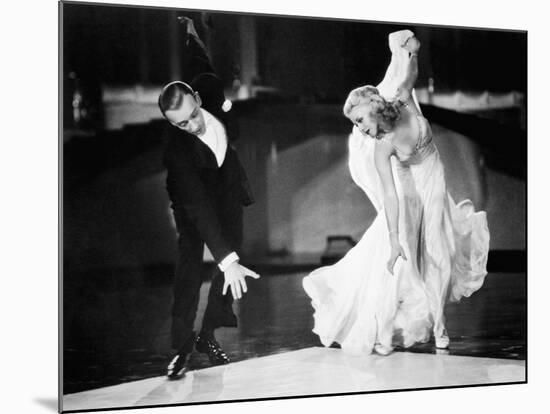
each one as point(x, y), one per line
point(421, 134)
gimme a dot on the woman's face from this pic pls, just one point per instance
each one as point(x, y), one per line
point(361, 116)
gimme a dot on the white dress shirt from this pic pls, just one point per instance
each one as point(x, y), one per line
point(214, 136)
point(216, 139)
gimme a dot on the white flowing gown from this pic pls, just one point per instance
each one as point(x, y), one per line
point(357, 302)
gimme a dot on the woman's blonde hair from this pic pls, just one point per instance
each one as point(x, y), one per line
point(384, 111)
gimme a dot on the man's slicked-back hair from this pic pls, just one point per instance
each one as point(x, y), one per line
point(171, 96)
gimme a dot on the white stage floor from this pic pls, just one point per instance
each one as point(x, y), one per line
point(304, 372)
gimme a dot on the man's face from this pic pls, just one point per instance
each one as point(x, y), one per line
point(189, 116)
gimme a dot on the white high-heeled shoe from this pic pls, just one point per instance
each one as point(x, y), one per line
point(442, 342)
point(382, 349)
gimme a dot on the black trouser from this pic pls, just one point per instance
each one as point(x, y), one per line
point(188, 279)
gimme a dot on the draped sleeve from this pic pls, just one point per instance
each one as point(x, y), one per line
point(396, 72)
point(362, 168)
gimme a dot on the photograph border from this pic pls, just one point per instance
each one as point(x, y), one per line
point(259, 14)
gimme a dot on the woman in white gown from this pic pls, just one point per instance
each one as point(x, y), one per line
point(422, 249)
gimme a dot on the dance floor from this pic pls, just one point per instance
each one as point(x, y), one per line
point(309, 371)
point(117, 346)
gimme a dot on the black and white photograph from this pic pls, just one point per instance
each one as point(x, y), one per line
point(260, 206)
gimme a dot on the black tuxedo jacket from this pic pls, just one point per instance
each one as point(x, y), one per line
point(207, 200)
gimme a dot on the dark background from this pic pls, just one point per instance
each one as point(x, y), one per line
point(309, 58)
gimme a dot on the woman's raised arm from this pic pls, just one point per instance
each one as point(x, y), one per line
point(409, 67)
point(402, 71)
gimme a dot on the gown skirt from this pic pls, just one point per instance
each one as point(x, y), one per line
point(357, 302)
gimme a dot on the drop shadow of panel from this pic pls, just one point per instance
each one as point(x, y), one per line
point(51, 404)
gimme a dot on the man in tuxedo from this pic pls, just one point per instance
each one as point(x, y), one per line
point(208, 188)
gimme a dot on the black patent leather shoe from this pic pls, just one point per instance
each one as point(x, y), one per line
point(210, 347)
point(178, 366)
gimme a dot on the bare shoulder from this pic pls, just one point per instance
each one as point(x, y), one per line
point(383, 147)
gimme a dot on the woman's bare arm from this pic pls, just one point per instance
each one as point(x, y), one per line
point(382, 160)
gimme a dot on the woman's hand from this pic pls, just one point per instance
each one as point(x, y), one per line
point(412, 45)
point(396, 251)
